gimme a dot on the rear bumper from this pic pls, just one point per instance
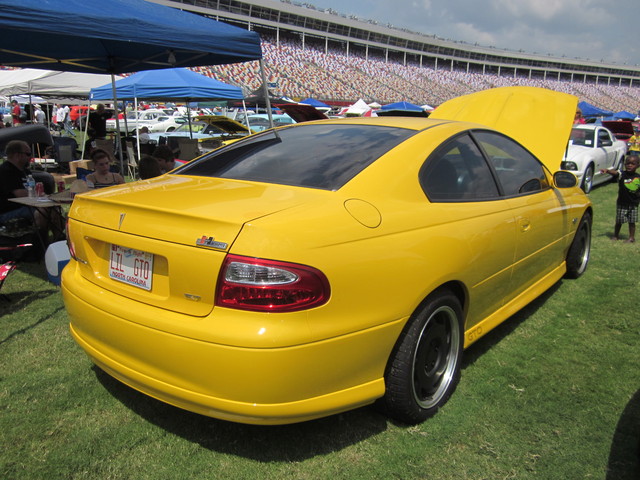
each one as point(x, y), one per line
point(248, 385)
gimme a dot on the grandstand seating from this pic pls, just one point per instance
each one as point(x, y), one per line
point(302, 71)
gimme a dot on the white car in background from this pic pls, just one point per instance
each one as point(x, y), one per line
point(592, 148)
point(167, 124)
point(145, 118)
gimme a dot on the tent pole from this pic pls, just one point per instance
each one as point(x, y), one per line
point(189, 119)
point(135, 109)
point(246, 114)
point(86, 126)
point(115, 99)
point(266, 92)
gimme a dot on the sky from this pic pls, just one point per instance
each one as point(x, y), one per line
point(588, 29)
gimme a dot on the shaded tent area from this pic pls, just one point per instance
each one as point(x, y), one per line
point(589, 110)
point(118, 36)
point(167, 84)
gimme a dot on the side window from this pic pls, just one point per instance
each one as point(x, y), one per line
point(457, 171)
point(518, 171)
point(604, 139)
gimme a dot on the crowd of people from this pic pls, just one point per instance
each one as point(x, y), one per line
point(302, 71)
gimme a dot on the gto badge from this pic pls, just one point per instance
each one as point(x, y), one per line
point(122, 215)
point(205, 241)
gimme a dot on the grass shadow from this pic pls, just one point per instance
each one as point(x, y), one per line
point(624, 455)
point(26, 299)
point(288, 443)
point(483, 345)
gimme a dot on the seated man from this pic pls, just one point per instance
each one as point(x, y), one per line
point(13, 176)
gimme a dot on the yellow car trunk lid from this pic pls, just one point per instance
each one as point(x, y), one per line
point(185, 225)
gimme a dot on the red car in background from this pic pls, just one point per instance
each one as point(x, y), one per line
point(76, 113)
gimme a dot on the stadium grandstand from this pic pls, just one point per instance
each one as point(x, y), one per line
point(338, 59)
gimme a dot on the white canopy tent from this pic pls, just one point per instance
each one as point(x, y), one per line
point(358, 108)
point(50, 83)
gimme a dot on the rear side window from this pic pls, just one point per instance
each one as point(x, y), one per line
point(518, 171)
point(324, 156)
point(457, 171)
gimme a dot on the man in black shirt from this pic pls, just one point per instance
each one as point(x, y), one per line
point(13, 176)
point(97, 128)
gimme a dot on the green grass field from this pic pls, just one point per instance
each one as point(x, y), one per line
point(554, 393)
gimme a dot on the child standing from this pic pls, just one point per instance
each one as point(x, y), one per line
point(628, 196)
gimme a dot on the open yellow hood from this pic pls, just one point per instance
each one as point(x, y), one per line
point(538, 118)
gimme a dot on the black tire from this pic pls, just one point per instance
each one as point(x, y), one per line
point(587, 179)
point(424, 367)
point(580, 249)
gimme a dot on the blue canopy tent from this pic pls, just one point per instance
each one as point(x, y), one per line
point(402, 109)
point(409, 107)
point(315, 103)
point(589, 110)
point(168, 84)
point(624, 115)
point(118, 36)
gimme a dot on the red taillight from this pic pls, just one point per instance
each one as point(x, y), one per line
point(270, 286)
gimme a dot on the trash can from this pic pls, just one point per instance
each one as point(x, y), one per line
point(55, 258)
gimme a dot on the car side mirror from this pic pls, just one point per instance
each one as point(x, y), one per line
point(564, 179)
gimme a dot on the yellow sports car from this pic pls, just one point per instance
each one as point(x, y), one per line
point(319, 267)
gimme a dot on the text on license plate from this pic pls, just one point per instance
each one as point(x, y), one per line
point(130, 266)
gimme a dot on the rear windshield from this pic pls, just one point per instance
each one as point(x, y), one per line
point(324, 156)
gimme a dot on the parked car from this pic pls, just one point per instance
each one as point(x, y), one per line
point(260, 121)
point(167, 124)
point(318, 267)
point(592, 148)
point(77, 113)
point(136, 120)
point(211, 131)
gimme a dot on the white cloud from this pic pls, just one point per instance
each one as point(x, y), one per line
point(575, 28)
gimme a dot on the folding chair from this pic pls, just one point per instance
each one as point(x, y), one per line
point(188, 148)
point(132, 162)
point(65, 151)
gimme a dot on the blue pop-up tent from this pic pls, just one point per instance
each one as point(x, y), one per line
point(168, 84)
point(589, 110)
point(315, 103)
point(624, 115)
point(405, 106)
point(118, 36)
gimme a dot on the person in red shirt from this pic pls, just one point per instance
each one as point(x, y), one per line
point(16, 112)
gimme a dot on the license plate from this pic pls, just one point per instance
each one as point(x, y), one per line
point(130, 266)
